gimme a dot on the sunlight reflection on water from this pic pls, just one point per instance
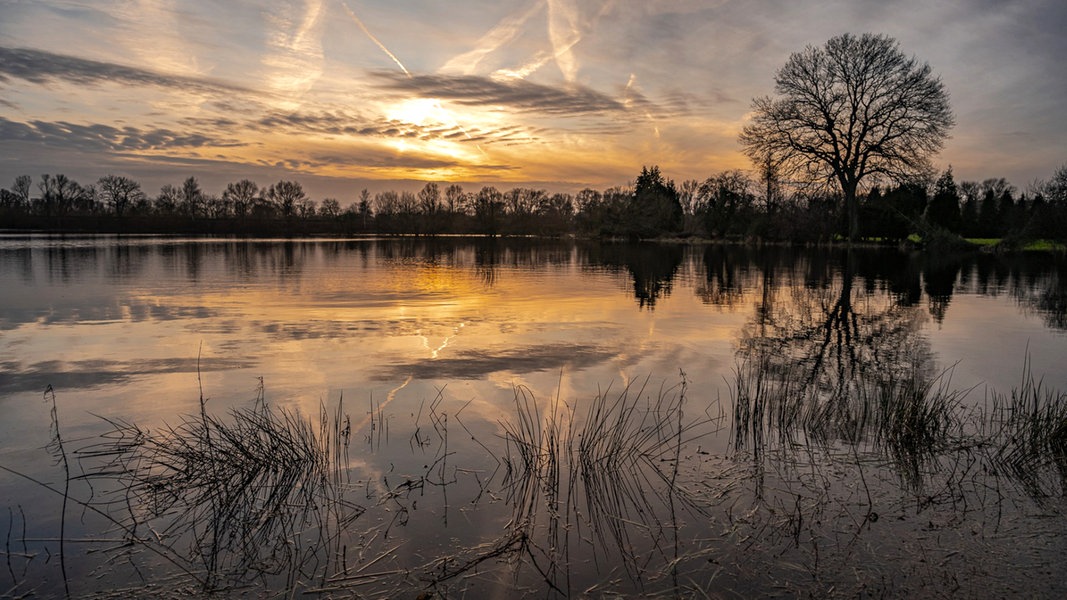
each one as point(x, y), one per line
point(135, 328)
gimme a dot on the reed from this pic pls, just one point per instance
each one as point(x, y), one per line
point(240, 493)
point(1026, 432)
point(908, 416)
point(605, 476)
point(599, 490)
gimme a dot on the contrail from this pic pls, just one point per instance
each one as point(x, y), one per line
point(375, 40)
point(437, 103)
point(504, 32)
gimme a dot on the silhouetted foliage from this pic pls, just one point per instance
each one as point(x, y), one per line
point(944, 207)
point(120, 193)
point(727, 205)
point(655, 208)
point(286, 196)
point(853, 110)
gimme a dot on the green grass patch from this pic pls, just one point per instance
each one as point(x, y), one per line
point(1045, 246)
point(984, 242)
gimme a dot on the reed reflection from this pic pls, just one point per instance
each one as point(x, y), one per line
point(843, 359)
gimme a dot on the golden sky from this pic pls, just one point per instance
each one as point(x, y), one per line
point(349, 94)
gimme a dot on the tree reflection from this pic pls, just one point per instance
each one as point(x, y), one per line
point(724, 277)
point(838, 324)
point(939, 281)
point(839, 357)
point(652, 267)
point(1038, 282)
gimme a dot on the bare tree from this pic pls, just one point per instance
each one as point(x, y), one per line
point(365, 211)
point(306, 208)
point(454, 198)
point(21, 189)
point(330, 208)
point(1055, 189)
point(59, 194)
point(722, 199)
point(587, 199)
point(241, 196)
point(687, 194)
point(385, 203)
point(120, 193)
point(429, 199)
point(166, 202)
point(286, 196)
point(191, 198)
point(854, 109)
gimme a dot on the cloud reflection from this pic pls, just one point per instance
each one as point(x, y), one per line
point(477, 364)
point(83, 374)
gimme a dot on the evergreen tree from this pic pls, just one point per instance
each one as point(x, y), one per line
point(655, 208)
point(944, 207)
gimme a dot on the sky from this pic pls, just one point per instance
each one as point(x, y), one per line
point(344, 95)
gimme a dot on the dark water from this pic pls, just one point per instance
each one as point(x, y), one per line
point(467, 374)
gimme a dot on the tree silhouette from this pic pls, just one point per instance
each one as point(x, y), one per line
point(286, 195)
point(944, 208)
point(241, 196)
point(855, 109)
point(330, 208)
point(723, 200)
point(488, 209)
point(655, 207)
point(119, 193)
point(58, 194)
point(191, 198)
point(429, 199)
point(21, 189)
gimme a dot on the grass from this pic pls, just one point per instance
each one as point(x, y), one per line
point(1044, 246)
point(906, 414)
point(913, 420)
point(983, 242)
point(234, 499)
point(607, 474)
point(1026, 431)
point(595, 496)
point(1025, 246)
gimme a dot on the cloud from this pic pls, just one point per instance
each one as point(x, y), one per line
point(99, 137)
point(296, 60)
point(472, 90)
point(341, 123)
point(564, 34)
point(375, 158)
point(40, 67)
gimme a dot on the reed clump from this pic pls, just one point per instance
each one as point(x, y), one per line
point(907, 416)
point(1027, 433)
point(255, 494)
point(606, 475)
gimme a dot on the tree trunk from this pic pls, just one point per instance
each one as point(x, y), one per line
point(852, 210)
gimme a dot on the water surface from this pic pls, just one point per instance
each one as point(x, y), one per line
point(428, 342)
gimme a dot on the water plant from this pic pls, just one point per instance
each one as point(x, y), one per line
point(622, 493)
point(603, 475)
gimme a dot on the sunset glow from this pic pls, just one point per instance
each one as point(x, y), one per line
point(560, 94)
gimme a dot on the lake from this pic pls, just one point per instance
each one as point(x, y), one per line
point(479, 417)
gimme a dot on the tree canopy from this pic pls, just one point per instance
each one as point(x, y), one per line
point(854, 109)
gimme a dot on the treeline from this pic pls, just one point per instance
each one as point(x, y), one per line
point(728, 205)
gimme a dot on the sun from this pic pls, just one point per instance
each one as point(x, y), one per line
point(419, 111)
